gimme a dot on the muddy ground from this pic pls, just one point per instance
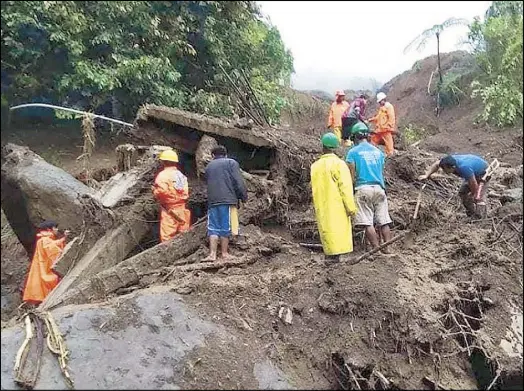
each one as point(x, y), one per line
point(443, 311)
point(443, 306)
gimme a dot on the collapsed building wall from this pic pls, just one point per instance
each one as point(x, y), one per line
point(285, 153)
point(272, 166)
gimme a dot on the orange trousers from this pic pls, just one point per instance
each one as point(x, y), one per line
point(385, 138)
point(170, 226)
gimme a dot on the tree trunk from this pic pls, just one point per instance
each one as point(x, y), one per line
point(440, 79)
point(438, 59)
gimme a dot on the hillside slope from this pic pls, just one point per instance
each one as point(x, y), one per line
point(454, 130)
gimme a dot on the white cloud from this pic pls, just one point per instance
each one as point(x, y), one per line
point(335, 41)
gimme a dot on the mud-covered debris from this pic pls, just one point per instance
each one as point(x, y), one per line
point(332, 303)
point(511, 195)
point(184, 290)
point(244, 123)
point(285, 314)
point(203, 153)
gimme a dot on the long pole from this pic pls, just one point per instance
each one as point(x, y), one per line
point(72, 111)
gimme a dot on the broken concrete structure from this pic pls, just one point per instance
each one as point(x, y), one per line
point(389, 318)
point(34, 190)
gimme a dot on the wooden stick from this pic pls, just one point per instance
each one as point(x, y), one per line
point(377, 249)
point(312, 245)
point(257, 103)
point(419, 200)
point(28, 336)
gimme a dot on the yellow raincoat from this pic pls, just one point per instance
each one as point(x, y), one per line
point(333, 201)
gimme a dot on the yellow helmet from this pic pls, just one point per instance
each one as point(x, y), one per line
point(169, 155)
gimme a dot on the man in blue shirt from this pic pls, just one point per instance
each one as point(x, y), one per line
point(471, 168)
point(366, 163)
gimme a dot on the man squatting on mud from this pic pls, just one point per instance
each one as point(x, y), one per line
point(225, 190)
point(471, 168)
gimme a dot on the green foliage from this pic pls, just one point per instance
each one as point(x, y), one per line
point(417, 66)
point(450, 92)
point(412, 133)
point(86, 54)
point(497, 44)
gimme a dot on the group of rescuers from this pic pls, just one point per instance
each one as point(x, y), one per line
point(345, 193)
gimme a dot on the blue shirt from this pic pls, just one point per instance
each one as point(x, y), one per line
point(369, 164)
point(470, 165)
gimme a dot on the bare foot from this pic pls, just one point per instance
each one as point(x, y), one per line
point(227, 256)
point(209, 258)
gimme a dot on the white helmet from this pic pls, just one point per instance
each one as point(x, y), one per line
point(380, 96)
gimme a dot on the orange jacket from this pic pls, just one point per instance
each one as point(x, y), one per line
point(171, 188)
point(335, 113)
point(41, 279)
point(385, 119)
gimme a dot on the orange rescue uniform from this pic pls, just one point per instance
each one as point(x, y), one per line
point(41, 280)
point(335, 117)
point(384, 127)
point(171, 190)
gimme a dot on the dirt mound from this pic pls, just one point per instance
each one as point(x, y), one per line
point(454, 130)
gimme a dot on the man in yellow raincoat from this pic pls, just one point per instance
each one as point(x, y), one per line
point(41, 280)
point(333, 200)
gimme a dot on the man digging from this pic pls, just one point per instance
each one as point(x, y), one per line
point(225, 190)
point(472, 169)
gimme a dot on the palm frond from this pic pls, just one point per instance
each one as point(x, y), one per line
point(454, 22)
point(420, 41)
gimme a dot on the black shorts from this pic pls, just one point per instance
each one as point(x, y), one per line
point(347, 124)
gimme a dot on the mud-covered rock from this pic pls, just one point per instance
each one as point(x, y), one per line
point(34, 190)
point(203, 153)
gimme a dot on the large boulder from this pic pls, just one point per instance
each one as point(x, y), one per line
point(147, 340)
point(34, 190)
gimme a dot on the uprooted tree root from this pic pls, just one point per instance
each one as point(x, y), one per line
point(350, 376)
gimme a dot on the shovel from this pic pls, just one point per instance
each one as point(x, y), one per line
point(411, 235)
point(495, 164)
point(408, 234)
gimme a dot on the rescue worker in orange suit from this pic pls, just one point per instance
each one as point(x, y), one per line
point(385, 125)
point(338, 107)
point(171, 191)
point(41, 280)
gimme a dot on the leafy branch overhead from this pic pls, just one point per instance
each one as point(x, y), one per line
point(497, 45)
point(113, 56)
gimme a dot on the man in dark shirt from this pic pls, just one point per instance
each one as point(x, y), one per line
point(471, 168)
point(225, 188)
point(355, 113)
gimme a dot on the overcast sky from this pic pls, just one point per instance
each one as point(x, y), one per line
point(334, 41)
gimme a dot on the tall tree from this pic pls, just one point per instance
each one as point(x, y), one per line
point(420, 42)
point(98, 55)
